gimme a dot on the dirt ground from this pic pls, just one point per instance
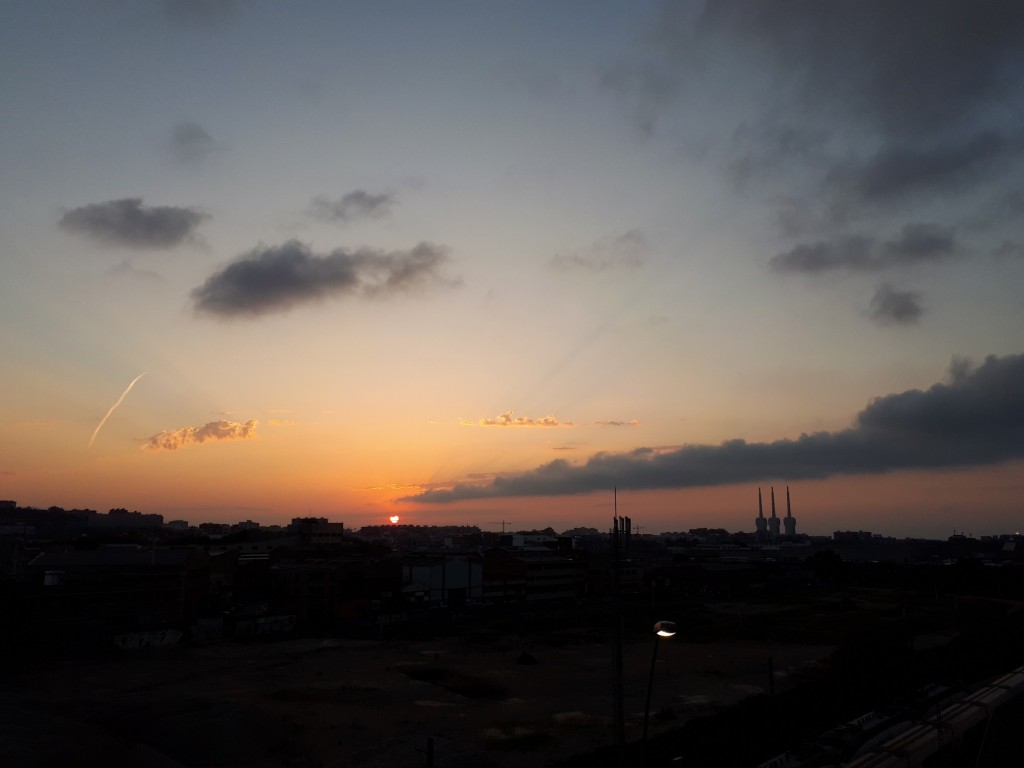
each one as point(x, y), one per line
point(369, 704)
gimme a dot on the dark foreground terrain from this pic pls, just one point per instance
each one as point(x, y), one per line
point(525, 689)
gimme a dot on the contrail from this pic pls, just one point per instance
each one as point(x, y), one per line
point(114, 407)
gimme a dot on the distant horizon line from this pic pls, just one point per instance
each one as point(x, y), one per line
point(10, 504)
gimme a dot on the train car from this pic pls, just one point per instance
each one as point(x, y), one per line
point(1012, 682)
point(990, 697)
point(807, 755)
point(921, 733)
point(916, 744)
point(888, 733)
point(877, 760)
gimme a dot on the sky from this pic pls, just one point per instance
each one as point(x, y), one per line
point(515, 264)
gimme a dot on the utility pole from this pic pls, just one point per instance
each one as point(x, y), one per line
point(618, 707)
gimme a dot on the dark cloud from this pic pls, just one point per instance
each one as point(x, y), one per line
point(761, 149)
point(275, 279)
point(904, 67)
point(919, 243)
point(893, 307)
point(190, 143)
point(358, 204)
point(866, 109)
point(628, 250)
point(852, 252)
point(129, 223)
point(899, 171)
point(975, 419)
point(916, 244)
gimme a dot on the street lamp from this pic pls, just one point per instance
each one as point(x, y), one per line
point(665, 628)
point(661, 629)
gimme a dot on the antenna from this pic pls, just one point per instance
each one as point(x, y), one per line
point(502, 523)
point(622, 527)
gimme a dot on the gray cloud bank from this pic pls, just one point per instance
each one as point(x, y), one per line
point(275, 279)
point(129, 223)
point(975, 419)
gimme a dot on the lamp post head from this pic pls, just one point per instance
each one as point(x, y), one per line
point(665, 628)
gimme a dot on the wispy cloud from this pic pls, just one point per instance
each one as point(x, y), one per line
point(128, 270)
point(890, 306)
point(630, 423)
point(358, 204)
point(628, 250)
point(275, 279)
point(214, 430)
point(190, 143)
point(507, 419)
point(976, 418)
point(392, 487)
point(127, 222)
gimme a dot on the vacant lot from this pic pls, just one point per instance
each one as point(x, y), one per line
point(484, 701)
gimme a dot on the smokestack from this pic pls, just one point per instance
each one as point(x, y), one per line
point(790, 521)
point(760, 507)
point(773, 501)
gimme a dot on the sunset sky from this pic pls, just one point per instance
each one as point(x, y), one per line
point(472, 262)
